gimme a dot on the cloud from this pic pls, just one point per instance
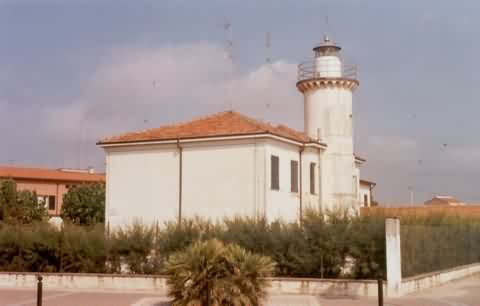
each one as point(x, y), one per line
point(467, 155)
point(137, 88)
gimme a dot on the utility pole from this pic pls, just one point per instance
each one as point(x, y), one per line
point(412, 198)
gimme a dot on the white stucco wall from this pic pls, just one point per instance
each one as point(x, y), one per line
point(223, 179)
point(365, 191)
point(283, 203)
point(328, 116)
point(309, 200)
point(219, 179)
point(142, 184)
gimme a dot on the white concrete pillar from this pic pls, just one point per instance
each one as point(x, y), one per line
point(394, 256)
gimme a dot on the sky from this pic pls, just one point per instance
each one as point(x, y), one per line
point(75, 71)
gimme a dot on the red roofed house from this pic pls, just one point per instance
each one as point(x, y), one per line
point(49, 184)
point(228, 164)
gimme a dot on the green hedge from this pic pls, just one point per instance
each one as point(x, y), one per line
point(438, 242)
point(319, 248)
point(326, 246)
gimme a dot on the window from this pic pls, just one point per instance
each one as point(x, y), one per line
point(275, 181)
point(294, 176)
point(51, 202)
point(312, 178)
point(365, 200)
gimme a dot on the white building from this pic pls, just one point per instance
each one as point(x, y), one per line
point(228, 164)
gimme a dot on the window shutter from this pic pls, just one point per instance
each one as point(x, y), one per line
point(51, 202)
point(294, 176)
point(275, 180)
point(312, 178)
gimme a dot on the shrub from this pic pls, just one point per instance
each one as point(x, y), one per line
point(19, 206)
point(133, 246)
point(84, 204)
point(210, 273)
point(438, 242)
point(28, 248)
point(367, 247)
point(82, 249)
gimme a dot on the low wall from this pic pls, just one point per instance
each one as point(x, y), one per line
point(279, 285)
point(434, 279)
point(148, 283)
point(325, 287)
point(85, 281)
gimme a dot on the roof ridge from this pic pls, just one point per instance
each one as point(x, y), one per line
point(257, 122)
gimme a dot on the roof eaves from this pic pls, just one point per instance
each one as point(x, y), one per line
point(208, 138)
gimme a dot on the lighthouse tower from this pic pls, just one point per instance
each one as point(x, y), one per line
point(327, 86)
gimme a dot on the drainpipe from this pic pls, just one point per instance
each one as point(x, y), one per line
point(321, 196)
point(300, 181)
point(180, 174)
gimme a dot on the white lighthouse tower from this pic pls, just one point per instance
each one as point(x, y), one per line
point(327, 86)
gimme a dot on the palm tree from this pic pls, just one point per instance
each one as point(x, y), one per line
point(211, 274)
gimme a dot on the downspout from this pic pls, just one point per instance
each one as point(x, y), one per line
point(180, 174)
point(321, 196)
point(301, 187)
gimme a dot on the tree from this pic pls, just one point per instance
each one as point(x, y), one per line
point(19, 206)
point(84, 204)
point(209, 273)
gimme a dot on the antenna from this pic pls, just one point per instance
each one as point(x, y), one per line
point(227, 25)
point(327, 27)
point(268, 48)
point(227, 28)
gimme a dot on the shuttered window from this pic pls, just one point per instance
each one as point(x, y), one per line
point(275, 171)
point(312, 178)
point(51, 202)
point(294, 176)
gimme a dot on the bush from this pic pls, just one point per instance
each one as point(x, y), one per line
point(29, 248)
point(438, 242)
point(84, 204)
point(210, 273)
point(132, 246)
point(326, 245)
point(82, 249)
point(19, 206)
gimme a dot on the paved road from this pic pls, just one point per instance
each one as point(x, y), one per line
point(465, 292)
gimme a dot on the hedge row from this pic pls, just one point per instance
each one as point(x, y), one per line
point(341, 246)
point(438, 242)
point(324, 246)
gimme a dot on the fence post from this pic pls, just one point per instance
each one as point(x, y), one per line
point(380, 291)
point(39, 290)
point(394, 256)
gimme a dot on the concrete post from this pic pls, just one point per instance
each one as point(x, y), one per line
point(394, 256)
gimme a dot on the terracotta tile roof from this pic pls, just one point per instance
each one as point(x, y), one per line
point(444, 200)
point(366, 182)
point(229, 123)
point(49, 174)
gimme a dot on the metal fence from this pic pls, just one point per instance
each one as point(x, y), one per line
point(308, 70)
